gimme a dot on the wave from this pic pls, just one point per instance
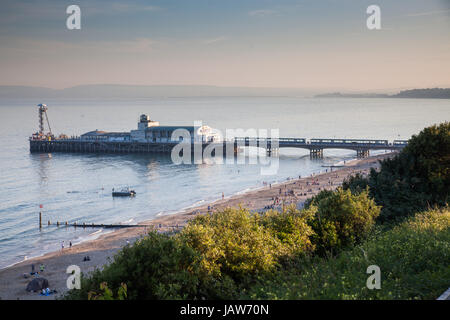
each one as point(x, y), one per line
point(95, 232)
point(128, 221)
point(344, 162)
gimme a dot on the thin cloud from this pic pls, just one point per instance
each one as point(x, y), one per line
point(129, 7)
point(16, 13)
point(429, 13)
point(115, 8)
point(33, 46)
point(261, 13)
point(215, 40)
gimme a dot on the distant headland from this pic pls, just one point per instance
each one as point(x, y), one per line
point(433, 93)
point(119, 91)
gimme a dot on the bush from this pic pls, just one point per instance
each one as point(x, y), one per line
point(414, 180)
point(341, 219)
point(232, 242)
point(356, 183)
point(107, 294)
point(238, 246)
point(291, 228)
point(155, 267)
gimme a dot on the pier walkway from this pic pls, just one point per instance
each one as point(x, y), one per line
point(271, 145)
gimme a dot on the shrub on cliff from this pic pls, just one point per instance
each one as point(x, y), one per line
point(341, 219)
point(291, 228)
point(417, 178)
point(237, 246)
point(155, 267)
point(232, 242)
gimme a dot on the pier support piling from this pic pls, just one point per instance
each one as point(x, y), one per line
point(362, 153)
point(272, 151)
point(316, 153)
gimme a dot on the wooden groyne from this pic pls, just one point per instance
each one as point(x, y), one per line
point(106, 226)
point(94, 225)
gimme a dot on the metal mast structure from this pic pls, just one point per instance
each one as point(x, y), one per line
point(43, 111)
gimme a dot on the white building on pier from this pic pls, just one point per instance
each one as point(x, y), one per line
point(149, 131)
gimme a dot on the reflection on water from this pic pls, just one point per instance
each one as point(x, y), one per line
point(42, 161)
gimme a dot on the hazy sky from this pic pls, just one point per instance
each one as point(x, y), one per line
point(257, 43)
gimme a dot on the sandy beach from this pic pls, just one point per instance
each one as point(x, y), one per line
point(293, 191)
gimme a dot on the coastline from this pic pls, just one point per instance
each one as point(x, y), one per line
point(13, 283)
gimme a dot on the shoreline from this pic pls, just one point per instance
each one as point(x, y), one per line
point(292, 191)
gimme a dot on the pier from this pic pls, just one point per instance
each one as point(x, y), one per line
point(271, 145)
point(150, 137)
point(316, 146)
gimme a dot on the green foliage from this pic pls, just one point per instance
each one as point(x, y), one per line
point(413, 259)
point(291, 228)
point(356, 183)
point(341, 219)
point(238, 243)
point(231, 242)
point(107, 294)
point(156, 267)
point(215, 256)
point(321, 195)
point(416, 179)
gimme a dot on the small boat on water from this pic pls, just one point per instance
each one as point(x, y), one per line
point(125, 192)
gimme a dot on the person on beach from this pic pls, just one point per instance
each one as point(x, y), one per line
point(70, 244)
point(223, 196)
point(41, 268)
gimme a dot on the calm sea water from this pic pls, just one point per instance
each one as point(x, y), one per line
point(77, 187)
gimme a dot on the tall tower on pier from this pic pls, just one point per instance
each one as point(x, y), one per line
point(143, 124)
point(43, 111)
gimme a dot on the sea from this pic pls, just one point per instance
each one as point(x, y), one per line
point(77, 187)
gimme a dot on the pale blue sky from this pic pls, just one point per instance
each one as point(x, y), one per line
point(257, 43)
